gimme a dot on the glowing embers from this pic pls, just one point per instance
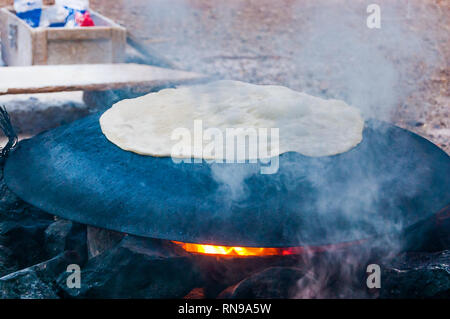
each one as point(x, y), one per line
point(238, 251)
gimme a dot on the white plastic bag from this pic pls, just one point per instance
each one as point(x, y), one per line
point(78, 5)
point(54, 16)
point(75, 8)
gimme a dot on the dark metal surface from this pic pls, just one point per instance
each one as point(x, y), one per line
point(391, 180)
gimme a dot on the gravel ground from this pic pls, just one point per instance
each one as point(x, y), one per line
point(397, 73)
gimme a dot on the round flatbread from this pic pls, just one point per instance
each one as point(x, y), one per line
point(168, 123)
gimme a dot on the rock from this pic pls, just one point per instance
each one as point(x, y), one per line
point(443, 228)
point(33, 113)
point(431, 235)
point(8, 200)
point(26, 285)
point(29, 235)
point(64, 235)
point(56, 235)
point(38, 281)
point(219, 273)
point(417, 275)
point(23, 233)
point(100, 240)
point(38, 120)
point(7, 263)
point(272, 283)
point(135, 268)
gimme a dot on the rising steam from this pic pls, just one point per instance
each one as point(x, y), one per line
point(323, 48)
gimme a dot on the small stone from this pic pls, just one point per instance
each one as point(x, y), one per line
point(7, 263)
point(26, 285)
point(23, 233)
point(417, 275)
point(100, 240)
point(38, 281)
point(272, 283)
point(135, 268)
point(219, 273)
point(64, 235)
point(430, 235)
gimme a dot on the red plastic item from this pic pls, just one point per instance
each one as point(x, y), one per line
point(84, 19)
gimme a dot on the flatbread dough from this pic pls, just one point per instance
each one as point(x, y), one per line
point(308, 125)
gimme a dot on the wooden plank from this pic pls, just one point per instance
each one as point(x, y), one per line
point(11, 2)
point(91, 33)
point(39, 47)
point(89, 77)
point(16, 39)
point(118, 44)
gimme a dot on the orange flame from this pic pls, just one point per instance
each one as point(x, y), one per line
point(255, 251)
point(237, 251)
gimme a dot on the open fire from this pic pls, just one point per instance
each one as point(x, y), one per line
point(238, 251)
point(256, 251)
